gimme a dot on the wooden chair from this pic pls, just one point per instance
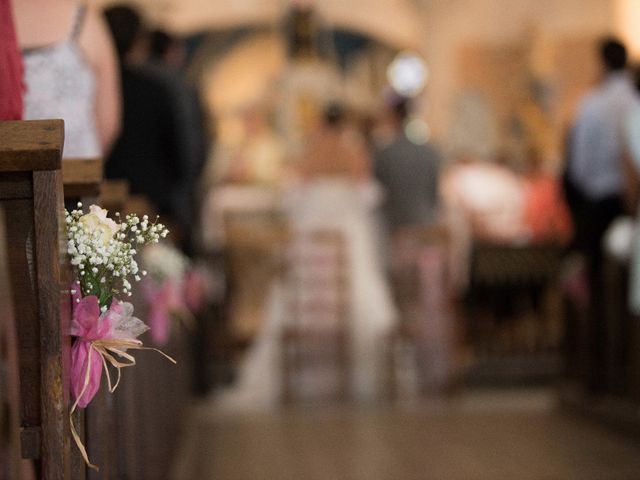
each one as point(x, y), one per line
point(513, 313)
point(253, 243)
point(316, 340)
point(422, 348)
point(31, 196)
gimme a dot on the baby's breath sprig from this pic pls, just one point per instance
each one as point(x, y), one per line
point(103, 251)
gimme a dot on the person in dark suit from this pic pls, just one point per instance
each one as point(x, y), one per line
point(153, 150)
point(168, 56)
point(408, 171)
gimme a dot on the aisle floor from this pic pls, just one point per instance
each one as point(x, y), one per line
point(492, 436)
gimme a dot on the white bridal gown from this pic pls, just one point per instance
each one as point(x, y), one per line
point(337, 204)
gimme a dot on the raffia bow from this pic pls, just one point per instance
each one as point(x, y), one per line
point(110, 349)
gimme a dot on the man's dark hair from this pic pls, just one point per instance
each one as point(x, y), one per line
point(400, 108)
point(126, 25)
point(334, 114)
point(613, 54)
point(159, 43)
point(398, 105)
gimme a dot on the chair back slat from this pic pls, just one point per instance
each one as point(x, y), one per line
point(421, 347)
point(315, 339)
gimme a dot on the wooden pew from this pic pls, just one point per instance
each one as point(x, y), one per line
point(512, 313)
point(82, 182)
point(601, 380)
point(82, 177)
point(140, 423)
point(31, 196)
point(152, 398)
point(114, 195)
point(10, 463)
point(99, 425)
point(131, 434)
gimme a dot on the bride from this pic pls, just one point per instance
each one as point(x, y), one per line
point(335, 192)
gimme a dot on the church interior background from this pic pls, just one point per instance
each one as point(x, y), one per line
point(495, 80)
point(490, 385)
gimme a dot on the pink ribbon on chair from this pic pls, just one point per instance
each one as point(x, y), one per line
point(162, 300)
point(195, 285)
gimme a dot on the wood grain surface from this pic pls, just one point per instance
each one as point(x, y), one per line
point(31, 145)
point(82, 176)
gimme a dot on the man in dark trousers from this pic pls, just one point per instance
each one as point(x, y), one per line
point(595, 180)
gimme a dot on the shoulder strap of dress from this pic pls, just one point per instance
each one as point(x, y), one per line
point(78, 21)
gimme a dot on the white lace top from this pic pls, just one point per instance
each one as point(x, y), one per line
point(61, 84)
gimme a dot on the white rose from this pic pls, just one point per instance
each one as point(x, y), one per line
point(97, 220)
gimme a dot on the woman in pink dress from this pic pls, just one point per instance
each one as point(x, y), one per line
point(11, 72)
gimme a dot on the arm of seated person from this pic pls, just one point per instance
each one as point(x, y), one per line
point(97, 45)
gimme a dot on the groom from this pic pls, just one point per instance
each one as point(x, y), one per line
point(409, 171)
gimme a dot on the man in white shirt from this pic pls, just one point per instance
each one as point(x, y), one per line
point(597, 141)
point(596, 148)
point(595, 172)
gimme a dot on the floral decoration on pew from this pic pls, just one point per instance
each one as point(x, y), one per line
point(175, 288)
point(164, 289)
point(201, 287)
point(102, 253)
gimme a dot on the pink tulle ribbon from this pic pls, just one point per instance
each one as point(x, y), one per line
point(101, 338)
point(195, 285)
point(163, 300)
point(88, 326)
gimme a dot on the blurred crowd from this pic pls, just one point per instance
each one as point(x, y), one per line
point(124, 93)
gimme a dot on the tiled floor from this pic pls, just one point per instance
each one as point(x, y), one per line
point(495, 436)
